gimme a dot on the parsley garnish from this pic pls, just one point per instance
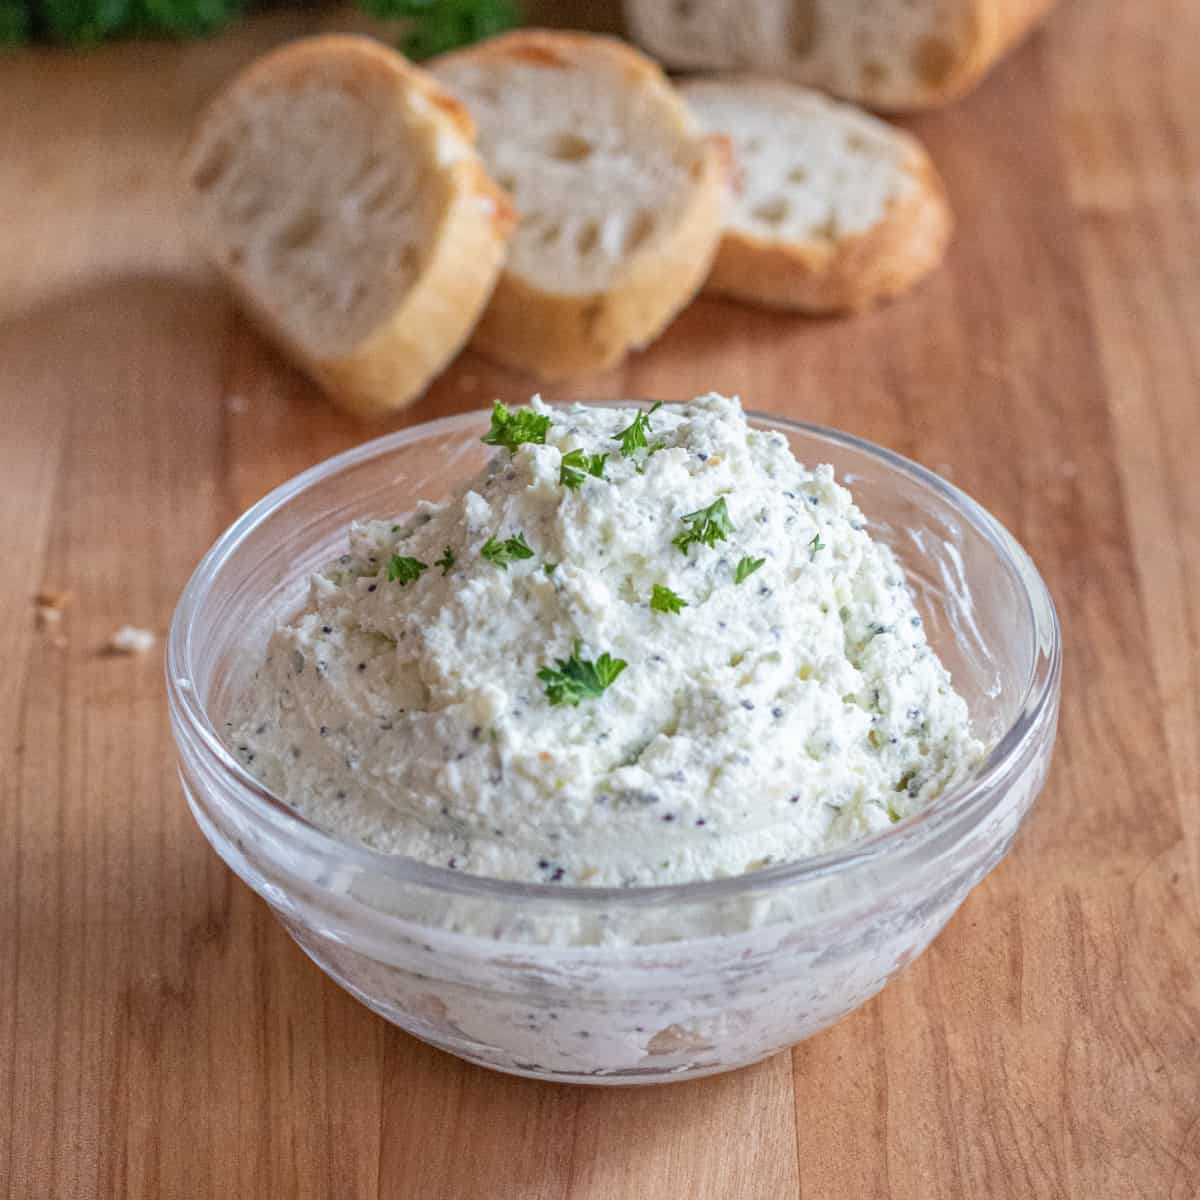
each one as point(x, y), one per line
point(576, 464)
point(549, 568)
point(446, 561)
point(708, 526)
point(513, 429)
point(746, 568)
point(663, 600)
point(573, 679)
point(815, 545)
point(502, 553)
point(633, 437)
point(404, 570)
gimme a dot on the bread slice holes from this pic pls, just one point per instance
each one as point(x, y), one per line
point(752, 145)
point(827, 230)
point(638, 231)
point(771, 212)
point(507, 182)
point(587, 238)
point(802, 32)
point(570, 147)
point(550, 233)
point(377, 199)
point(684, 9)
point(933, 61)
point(212, 167)
point(873, 73)
point(798, 174)
point(856, 143)
point(370, 164)
point(301, 230)
point(410, 261)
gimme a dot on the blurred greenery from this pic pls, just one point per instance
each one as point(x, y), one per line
point(433, 26)
point(14, 22)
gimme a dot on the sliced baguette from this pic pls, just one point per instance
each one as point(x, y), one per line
point(893, 55)
point(834, 209)
point(619, 191)
point(337, 188)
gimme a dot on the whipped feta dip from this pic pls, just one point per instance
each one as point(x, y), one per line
point(647, 646)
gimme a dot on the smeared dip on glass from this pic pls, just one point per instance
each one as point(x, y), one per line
point(643, 646)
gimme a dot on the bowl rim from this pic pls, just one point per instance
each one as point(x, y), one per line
point(1037, 711)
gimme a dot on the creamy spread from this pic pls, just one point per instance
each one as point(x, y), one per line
point(454, 688)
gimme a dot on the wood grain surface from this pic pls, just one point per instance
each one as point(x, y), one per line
point(160, 1035)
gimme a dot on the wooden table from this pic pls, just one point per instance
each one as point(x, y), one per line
point(160, 1035)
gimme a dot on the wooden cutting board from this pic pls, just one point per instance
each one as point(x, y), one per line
point(160, 1036)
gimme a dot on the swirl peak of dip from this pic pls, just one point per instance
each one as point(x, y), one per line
point(453, 690)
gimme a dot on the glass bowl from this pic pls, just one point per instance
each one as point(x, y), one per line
point(606, 985)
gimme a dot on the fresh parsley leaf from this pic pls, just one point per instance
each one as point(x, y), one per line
point(633, 437)
point(502, 553)
point(404, 570)
point(746, 568)
point(663, 600)
point(573, 679)
point(708, 526)
point(513, 429)
point(815, 545)
point(446, 561)
point(576, 465)
point(549, 568)
point(435, 26)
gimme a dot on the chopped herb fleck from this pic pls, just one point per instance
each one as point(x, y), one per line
point(502, 553)
point(573, 679)
point(706, 526)
point(746, 568)
point(550, 568)
point(446, 561)
point(513, 429)
point(633, 436)
point(404, 570)
point(663, 600)
point(815, 545)
point(576, 466)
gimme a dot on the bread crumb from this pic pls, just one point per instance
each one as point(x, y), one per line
point(129, 640)
point(52, 598)
point(48, 606)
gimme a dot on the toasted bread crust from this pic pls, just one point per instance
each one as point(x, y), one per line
point(942, 70)
point(395, 360)
point(848, 275)
point(555, 335)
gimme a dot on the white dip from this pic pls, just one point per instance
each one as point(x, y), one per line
point(767, 720)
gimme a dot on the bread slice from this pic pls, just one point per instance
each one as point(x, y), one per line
point(893, 55)
point(834, 209)
point(338, 189)
point(619, 191)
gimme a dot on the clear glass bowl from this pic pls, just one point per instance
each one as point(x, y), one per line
point(599, 985)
